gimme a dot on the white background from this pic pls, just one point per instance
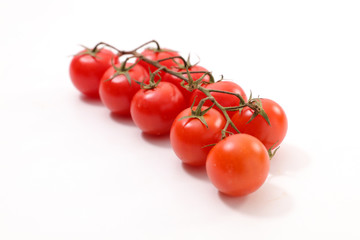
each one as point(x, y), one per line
point(70, 170)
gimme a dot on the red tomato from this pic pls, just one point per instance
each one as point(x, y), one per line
point(154, 110)
point(189, 136)
point(270, 135)
point(225, 100)
point(238, 165)
point(155, 55)
point(86, 70)
point(116, 94)
point(176, 81)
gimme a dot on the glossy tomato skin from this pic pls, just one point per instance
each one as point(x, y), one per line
point(167, 77)
point(238, 165)
point(86, 71)
point(225, 100)
point(116, 94)
point(270, 135)
point(156, 55)
point(154, 110)
point(189, 136)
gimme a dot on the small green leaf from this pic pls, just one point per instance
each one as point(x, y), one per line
point(133, 65)
point(209, 145)
point(188, 61)
point(202, 119)
point(127, 75)
point(252, 117)
point(189, 76)
point(208, 109)
point(185, 117)
point(112, 77)
point(201, 78)
point(272, 152)
point(265, 116)
point(250, 98)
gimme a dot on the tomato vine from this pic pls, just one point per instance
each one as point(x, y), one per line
point(252, 103)
point(156, 91)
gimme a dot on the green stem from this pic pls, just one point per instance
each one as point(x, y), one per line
point(158, 65)
point(195, 72)
point(152, 41)
point(174, 57)
point(226, 115)
point(242, 101)
point(201, 103)
point(108, 45)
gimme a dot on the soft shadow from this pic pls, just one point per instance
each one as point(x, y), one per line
point(91, 100)
point(268, 201)
point(289, 159)
point(159, 141)
point(196, 172)
point(125, 120)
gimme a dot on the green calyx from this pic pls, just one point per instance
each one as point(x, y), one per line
point(256, 105)
point(89, 51)
point(191, 85)
point(198, 113)
point(122, 70)
point(152, 83)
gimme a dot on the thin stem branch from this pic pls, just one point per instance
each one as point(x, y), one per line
point(152, 41)
point(226, 115)
point(174, 57)
point(242, 101)
point(158, 65)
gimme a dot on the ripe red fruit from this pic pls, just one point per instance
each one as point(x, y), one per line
point(238, 165)
point(87, 68)
point(154, 110)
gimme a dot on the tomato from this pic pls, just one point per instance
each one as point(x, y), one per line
point(117, 93)
point(155, 55)
point(238, 165)
point(167, 77)
point(86, 70)
point(270, 135)
point(154, 110)
point(189, 137)
point(224, 99)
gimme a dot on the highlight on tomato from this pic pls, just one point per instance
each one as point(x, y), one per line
point(87, 67)
point(238, 165)
point(272, 132)
point(154, 107)
point(119, 85)
point(224, 99)
point(194, 132)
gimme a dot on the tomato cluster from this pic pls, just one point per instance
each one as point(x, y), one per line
point(211, 124)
